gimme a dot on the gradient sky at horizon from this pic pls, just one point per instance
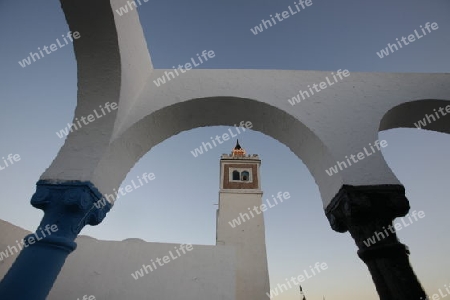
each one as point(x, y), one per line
point(39, 100)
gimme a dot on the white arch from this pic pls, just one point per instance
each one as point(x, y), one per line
point(126, 150)
point(114, 65)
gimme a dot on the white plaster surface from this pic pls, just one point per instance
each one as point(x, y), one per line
point(337, 121)
point(252, 279)
point(103, 269)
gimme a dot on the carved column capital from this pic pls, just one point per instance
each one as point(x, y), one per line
point(361, 205)
point(69, 205)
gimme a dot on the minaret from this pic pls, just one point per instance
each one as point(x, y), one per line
point(239, 224)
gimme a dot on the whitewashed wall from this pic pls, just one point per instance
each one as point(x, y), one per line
point(103, 269)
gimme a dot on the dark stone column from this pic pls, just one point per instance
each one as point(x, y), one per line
point(367, 213)
point(68, 207)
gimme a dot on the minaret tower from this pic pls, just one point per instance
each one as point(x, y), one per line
point(240, 224)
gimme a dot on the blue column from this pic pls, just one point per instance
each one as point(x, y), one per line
point(68, 207)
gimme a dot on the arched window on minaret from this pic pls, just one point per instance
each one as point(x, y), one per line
point(245, 176)
point(236, 175)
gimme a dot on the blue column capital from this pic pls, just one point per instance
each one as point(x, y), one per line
point(68, 206)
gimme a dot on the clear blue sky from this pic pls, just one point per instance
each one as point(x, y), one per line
point(39, 100)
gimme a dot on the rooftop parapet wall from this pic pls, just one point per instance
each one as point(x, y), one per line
point(104, 268)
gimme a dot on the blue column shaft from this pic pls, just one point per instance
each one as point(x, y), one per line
point(35, 270)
